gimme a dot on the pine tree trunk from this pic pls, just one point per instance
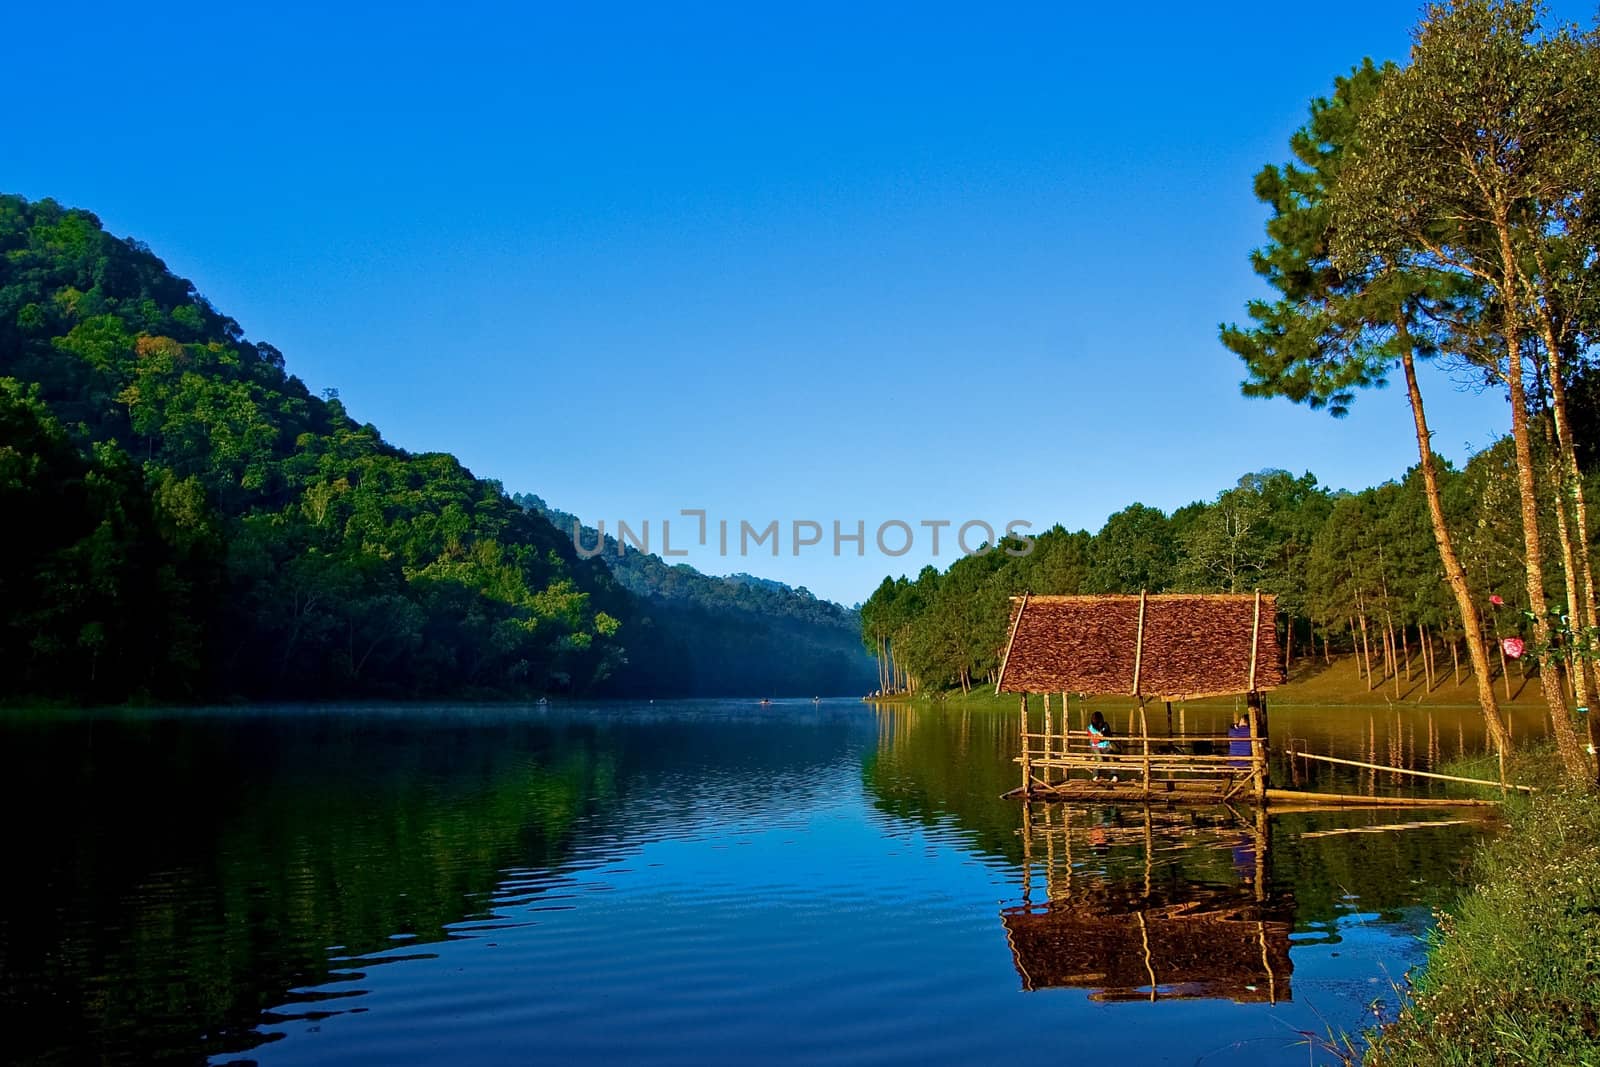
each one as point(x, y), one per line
point(1394, 652)
point(1569, 571)
point(1366, 648)
point(1426, 647)
point(1586, 620)
point(1355, 646)
point(1391, 651)
point(1573, 759)
point(1455, 573)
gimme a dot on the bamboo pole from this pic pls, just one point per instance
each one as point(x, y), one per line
point(1144, 729)
point(1415, 774)
point(1359, 800)
point(1255, 639)
point(1027, 768)
point(1138, 646)
point(1258, 760)
point(1015, 625)
point(1153, 737)
point(1386, 828)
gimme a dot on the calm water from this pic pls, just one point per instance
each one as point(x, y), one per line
point(688, 882)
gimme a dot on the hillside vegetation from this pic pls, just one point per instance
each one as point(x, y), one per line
point(186, 520)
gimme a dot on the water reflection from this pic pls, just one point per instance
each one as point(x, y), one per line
point(697, 882)
point(1120, 918)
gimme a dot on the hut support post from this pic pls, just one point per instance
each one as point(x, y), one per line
point(1144, 731)
point(1258, 756)
point(1027, 765)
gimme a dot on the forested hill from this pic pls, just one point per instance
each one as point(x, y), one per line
point(186, 520)
point(749, 632)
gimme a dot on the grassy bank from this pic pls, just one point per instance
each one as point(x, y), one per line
point(1513, 972)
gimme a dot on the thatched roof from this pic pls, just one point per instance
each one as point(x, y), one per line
point(1198, 948)
point(1182, 646)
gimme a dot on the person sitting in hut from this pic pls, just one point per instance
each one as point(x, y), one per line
point(1239, 747)
point(1100, 740)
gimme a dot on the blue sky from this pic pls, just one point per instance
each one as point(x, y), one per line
point(850, 262)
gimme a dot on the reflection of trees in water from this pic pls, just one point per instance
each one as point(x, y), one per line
point(182, 875)
point(193, 871)
point(948, 767)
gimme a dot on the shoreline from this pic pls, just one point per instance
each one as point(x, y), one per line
point(1510, 972)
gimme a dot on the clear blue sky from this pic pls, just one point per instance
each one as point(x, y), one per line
point(835, 262)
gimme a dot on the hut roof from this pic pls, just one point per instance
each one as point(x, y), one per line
point(1177, 646)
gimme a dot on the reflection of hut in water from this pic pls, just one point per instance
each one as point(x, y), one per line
point(1132, 938)
point(1210, 944)
point(1169, 647)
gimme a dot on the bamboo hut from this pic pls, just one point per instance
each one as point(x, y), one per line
point(1170, 647)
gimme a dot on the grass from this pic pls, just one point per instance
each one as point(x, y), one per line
point(1513, 969)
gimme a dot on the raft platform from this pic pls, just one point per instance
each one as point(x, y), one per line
point(1080, 790)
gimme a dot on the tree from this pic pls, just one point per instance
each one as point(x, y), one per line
point(1226, 547)
point(1336, 328)
point(1133, 552)
point(1475, 164)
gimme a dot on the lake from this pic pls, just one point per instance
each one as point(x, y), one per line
point(685, 882)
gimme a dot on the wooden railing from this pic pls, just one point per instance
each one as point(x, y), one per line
point(1057, 756)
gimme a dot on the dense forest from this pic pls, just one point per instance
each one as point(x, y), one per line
point(1353, 571)
point(187, 521)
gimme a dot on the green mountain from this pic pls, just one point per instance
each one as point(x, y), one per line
point(751, 635)
point(186, 520)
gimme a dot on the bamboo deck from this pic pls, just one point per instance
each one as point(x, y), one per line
point(1087, 790)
